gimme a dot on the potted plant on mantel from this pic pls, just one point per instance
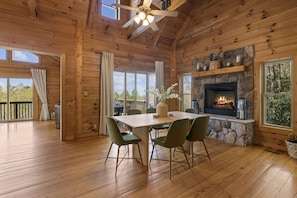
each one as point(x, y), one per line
point(291, 144)
point(162, 95)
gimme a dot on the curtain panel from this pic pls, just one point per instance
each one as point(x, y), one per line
point(39, 80)
point(106, 87)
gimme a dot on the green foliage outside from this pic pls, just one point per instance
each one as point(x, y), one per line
point(278, 96)
point(17, 93)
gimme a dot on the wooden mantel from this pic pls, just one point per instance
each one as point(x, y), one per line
point(225, 70)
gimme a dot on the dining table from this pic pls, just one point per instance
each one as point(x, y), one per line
point(140, 124)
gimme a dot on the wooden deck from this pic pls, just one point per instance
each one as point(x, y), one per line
point(35, 163)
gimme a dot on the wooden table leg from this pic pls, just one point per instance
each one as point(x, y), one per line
point(143, 134)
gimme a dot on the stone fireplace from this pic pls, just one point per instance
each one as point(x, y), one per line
point(217, 95)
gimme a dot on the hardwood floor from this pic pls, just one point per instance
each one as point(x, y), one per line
point(34, 163)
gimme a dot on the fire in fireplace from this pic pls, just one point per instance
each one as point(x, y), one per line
point(220, 98)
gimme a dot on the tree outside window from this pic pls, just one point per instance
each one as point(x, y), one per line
point(277, 93)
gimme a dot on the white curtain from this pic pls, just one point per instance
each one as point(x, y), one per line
point(159, 71)
point(39, 79)
point(106, 96)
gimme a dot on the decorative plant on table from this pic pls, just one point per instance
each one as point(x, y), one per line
point(162, 95)
point(291, 144)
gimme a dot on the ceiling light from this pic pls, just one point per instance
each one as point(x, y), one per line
point(137, 19)
point(145, 22)
point(150, 18)
point(142, 15)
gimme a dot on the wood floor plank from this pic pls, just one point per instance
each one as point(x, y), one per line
point(35, 163)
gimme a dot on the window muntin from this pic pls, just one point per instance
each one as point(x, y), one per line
point(24, 56)
point(130, 90)
point(277, 93)
point(108, 11)
point(186, 83)
point(2, 54)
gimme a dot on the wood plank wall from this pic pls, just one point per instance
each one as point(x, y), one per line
point(222, 25)
point(51, 34)
point(128, 56)
point(15, 69)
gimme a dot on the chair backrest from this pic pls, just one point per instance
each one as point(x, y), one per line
point(114, 131)
point(198, 129)
point(177, 133)
point(151, 110)
point(133, 111)
point(191, 110)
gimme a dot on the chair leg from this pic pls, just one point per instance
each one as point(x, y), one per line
point(117, 165)
point(152, 154)
point(186, 156)
point(192, 152)
point(206, 150)
point(170, 162)
point(108, 152)
point(140, 153)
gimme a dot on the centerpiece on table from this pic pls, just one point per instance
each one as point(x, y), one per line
point(162, 95)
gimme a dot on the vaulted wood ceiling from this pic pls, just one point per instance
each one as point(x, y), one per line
point(89, 12)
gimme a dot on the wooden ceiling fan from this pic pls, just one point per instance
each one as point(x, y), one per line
point(144, 14)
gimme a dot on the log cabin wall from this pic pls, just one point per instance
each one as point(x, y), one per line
point(223, 25)
point(16, 69)
point(128, 56)
point(48, 33)
point(64, 29)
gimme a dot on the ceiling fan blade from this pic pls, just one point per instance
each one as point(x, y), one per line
point(154, 26)
point(124, 7)
point(128, 23)
point(147, 3)
point(165, 13)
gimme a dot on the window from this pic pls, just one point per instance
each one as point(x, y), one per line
point(277, 93)
point(130, 91)
point(24, 56)
point(16, 95)
point(186, 91)
point(2, 54)
point(108, 11)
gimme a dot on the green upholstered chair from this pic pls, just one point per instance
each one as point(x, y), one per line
point(157, 128)
point(132, 112)
point(191, 110)
point(176, 137)
point(198, 132)
point(151, 110)
point(120, 139)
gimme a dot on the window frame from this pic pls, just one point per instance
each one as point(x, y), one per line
point(265, 94)
point(181, 88)
point(108, 6)
point(24, 61)
point(146, 105)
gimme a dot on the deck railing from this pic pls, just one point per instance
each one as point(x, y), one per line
point(21, 110)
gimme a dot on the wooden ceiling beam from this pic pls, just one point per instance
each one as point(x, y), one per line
point(174, 5)
point(158, 33)
point(32, 5)
point(181, 32)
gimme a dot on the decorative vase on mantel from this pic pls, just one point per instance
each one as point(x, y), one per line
point(162, 109)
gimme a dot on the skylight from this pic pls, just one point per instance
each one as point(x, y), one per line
point(108, 11)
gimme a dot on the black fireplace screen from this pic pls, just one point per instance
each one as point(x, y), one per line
point(220, 98)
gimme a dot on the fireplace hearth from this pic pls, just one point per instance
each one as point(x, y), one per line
point(220, 98)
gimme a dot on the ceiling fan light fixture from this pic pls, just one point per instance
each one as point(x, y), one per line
point(142, 15)
point(137, 19)
point(145, 22)
point(150, 18)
